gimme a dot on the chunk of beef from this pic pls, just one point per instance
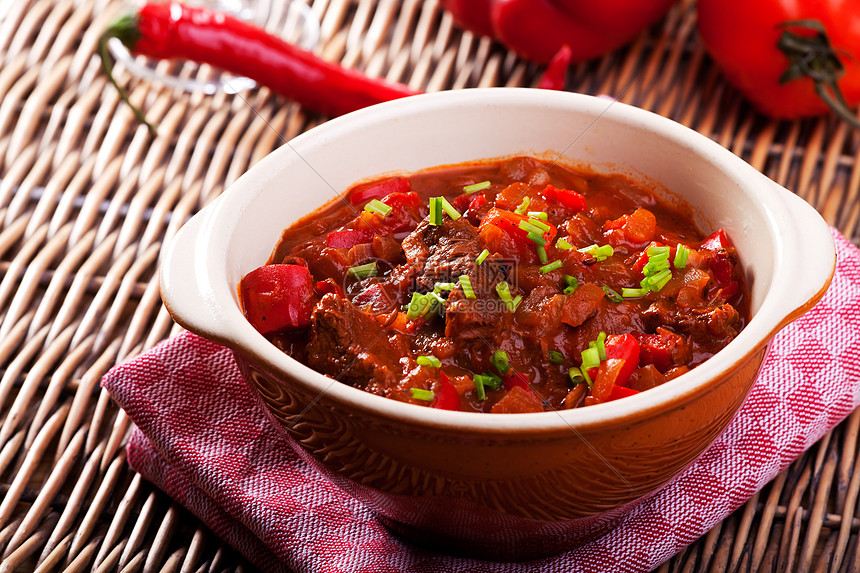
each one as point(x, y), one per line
point(719, 321)
point(351, 347)
point(444, 253)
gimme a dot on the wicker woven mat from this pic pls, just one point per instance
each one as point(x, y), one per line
point(88, 198)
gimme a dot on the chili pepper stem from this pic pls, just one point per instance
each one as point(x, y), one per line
point(126, 31)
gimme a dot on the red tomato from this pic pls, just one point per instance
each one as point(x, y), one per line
point(538, 29)
point(742, 37)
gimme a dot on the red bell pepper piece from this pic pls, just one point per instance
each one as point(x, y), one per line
point(721, 253)
point(327, 286)
point(660, 349)
point(564, 197)
point(381, 189)
point(277, 297)
point(619, 392)
point(348, 238)
point(406, 212)
point(447, 397)
point(517, 379)
point(623, 347)
point(512, 241)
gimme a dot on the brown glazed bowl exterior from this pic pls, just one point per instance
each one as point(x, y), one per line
point(509, 486)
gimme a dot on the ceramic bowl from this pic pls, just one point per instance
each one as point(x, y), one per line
point(507, 486)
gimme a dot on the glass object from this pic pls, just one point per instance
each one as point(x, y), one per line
point(291, 20)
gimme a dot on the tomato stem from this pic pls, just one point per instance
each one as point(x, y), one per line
point(126, 30)
point(812, 56)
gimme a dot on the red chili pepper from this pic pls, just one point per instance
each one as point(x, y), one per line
point(277, 297)
point(171, 30)
point(555, 75)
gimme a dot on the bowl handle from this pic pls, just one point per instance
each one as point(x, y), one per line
point(185, 291)
point(808, 239)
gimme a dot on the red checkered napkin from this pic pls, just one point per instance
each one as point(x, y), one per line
point(202, 439)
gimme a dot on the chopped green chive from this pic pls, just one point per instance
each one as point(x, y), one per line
point(428, 361)
point(530, 227)
point(489, 380)
point(577, 376)
point(570, 280)
point(362, 271)
point(541, 251)
point(482, 257)
point(550, 267)
point(540, 225)
point(466, 285)
point(524, 206)
point(590, 358)
point(539, 215)
point(500, 361)
point(435, 211)
point(479, 387)
point(569, 290)
point(423, 304)
point(421, 394)
point(448, 208)
point(504, 291)
point(611, 294)
point(601, 253)
point(515, 303)
point(485, 381)
point(681, 255)
point(536, 238)
point(563, 245)
point(377, 206)
point(556, 357)
point(657, 251)
point(439, 287)
point(601, 345)
point(634, 292)
point(476, 187)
